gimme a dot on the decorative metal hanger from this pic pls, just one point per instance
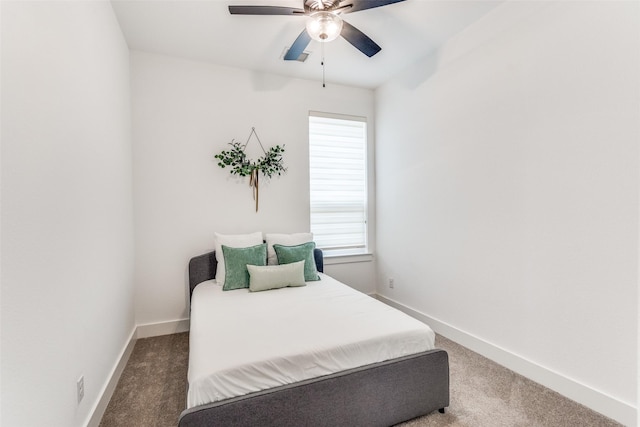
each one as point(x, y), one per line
point(270, 164)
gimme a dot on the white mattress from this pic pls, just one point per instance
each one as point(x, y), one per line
point(242, 342)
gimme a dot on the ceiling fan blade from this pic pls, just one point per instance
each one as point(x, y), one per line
point(350, 6)
point(359, 40)
point(264, 10)
point(298, 46)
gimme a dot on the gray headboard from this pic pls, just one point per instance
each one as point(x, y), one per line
point(203, 267)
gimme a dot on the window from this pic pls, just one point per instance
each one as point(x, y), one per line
point(338, 182)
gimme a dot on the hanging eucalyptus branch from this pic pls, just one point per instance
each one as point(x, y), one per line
point(270, 164)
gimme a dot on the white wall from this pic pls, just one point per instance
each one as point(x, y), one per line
point(185, 112)
point(67, 210)
point(507, 193)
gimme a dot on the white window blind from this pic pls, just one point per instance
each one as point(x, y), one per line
point(338, 182)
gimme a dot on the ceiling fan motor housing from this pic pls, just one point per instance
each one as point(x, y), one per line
point(317, 5)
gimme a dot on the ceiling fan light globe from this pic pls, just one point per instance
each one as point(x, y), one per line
point(324, 26)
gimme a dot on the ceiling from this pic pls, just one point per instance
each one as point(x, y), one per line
point(204, 30)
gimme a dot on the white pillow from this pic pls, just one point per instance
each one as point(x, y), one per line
point(233, 241)
point(284, 240)
point(263, 278)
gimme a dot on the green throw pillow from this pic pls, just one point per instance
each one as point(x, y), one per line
point(303, 252)
point(275, 276)
point(236, 260)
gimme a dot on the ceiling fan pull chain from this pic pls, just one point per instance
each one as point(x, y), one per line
point(322, 63)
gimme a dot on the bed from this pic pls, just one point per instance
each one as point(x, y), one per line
point(382, 393)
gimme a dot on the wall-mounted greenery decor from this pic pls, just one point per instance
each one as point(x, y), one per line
point(269, 165)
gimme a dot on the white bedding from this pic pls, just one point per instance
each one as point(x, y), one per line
point(241, 342)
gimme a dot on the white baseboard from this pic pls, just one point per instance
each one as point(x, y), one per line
point(101, 404)
point(164, 328)
point(609, 406)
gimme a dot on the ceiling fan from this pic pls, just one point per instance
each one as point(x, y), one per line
point(324, 22)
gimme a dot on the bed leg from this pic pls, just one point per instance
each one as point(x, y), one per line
point(441, 410)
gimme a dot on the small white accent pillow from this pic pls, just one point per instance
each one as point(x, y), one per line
point(284, 240)
point(233, 241)
point(263, 278)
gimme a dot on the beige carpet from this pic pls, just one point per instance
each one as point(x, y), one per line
point(152, 392)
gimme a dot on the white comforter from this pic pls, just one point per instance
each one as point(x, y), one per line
point(242, 342)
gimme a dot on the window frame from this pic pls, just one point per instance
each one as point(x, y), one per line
point(358, 254)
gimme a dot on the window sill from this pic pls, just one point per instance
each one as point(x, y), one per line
point(330, 259)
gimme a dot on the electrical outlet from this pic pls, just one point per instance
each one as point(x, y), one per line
point(80, 388)
point(391, 282)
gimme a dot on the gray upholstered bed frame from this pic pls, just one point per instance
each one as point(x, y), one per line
point(381, 394)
